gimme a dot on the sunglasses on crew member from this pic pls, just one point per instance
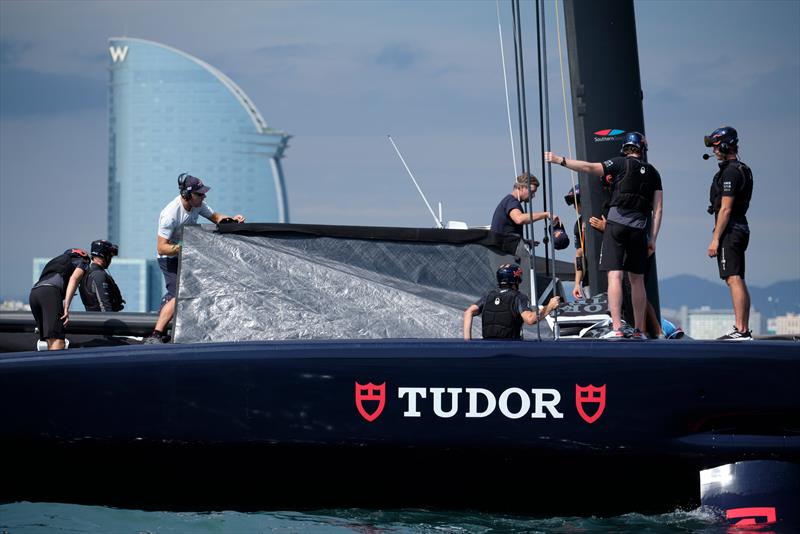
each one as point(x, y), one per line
point(201, 195)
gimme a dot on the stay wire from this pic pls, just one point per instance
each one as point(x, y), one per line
point(524, 148)
point(548, 174)
point(546, 239)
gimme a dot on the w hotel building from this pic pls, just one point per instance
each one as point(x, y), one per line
point(171, 113)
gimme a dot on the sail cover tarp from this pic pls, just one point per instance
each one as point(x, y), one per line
point(285, 281)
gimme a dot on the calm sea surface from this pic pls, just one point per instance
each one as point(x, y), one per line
point(29, 518)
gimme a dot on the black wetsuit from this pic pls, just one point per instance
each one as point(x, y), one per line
point(734, 179)
point(99, 291)
point(47, 295)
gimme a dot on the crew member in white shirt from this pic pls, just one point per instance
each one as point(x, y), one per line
point(184, 209)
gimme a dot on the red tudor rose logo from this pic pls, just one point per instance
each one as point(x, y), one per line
point(590, 395)
point(373, 395)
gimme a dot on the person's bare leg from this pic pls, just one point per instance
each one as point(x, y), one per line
point(653, 324)
point(639, 300)
point(741, 302)
point(165, 315)
point(615, 298)
point(55, 344)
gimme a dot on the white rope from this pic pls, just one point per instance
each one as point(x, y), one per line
point(505, 82)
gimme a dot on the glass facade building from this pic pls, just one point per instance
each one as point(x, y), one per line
point(171, 113)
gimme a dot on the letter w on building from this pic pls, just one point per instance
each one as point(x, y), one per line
point(118, 53)
point(373, 395)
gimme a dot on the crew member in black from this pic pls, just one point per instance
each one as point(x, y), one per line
point(581, 288)
point(505, 309)
point(635, 192)
point(731, 190)
point(509, 216)
point(98, 290)
point(51, 296)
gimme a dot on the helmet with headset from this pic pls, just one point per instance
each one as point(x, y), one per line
point(104, 249)
point(636, 140)
point(725, 138)
point(573, 196)
point(509, 274)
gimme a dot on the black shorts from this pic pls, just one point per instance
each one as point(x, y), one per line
point(169, 268)
point(624, 249)
point(47, 307)
point(730, 254)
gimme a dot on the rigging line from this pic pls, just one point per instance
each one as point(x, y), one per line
point(524, 148)
point(548, 178)
point(546, 240)
point(505, 83)
point(520, 90)
point(522, 133)
point(566, 123)
point(438, 222)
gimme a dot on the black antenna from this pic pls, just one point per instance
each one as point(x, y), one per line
point(546, 239)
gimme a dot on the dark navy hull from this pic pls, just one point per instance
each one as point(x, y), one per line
point(266, 425)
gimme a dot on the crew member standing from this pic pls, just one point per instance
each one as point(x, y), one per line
point(99, 291)
point(581, 288)
point(505, 309)
point(635, 192)
point(731, 190)
point(51, 296)
point(184, 209)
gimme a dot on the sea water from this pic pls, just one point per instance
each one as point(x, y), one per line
point(35, 518)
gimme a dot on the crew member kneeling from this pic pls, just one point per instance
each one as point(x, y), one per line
point(505, 309)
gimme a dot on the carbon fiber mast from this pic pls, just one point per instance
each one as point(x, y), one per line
point(606, 103)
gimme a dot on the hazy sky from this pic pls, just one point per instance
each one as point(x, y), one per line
point(340, 76)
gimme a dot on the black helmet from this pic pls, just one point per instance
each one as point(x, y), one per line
point(573, 196)
point(509, 274)
point(726, 138)
point(560, 237)
point(104, 249)
point(635, 139)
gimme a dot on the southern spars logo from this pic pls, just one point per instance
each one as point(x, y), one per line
point(607, 135)
point(471, 403)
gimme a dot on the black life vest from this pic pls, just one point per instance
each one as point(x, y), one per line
point(500, 319)
point(741, 199)
point(64, 265)
point(634, 189)
point(96, 280)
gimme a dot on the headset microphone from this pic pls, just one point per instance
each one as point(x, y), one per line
point(706, 156)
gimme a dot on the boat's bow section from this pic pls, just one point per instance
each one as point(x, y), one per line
point(306, 414)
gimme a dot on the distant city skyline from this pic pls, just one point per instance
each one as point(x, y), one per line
point(341, 75)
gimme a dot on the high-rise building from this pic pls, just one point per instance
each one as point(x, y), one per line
point(171, 113)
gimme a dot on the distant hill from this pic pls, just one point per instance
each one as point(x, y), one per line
point(693, 291)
